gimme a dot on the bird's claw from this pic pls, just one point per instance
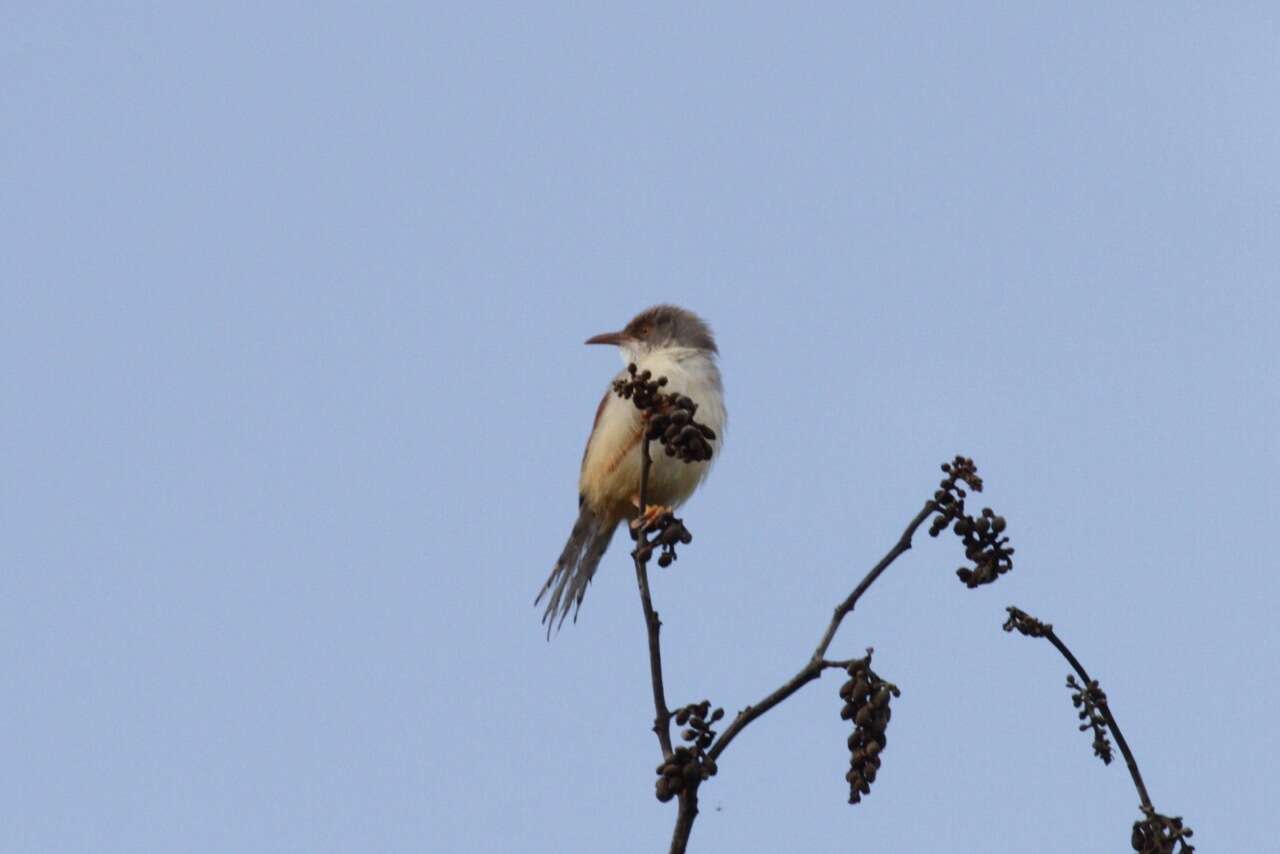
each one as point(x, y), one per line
point(646, 520)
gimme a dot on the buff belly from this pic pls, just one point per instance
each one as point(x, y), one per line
point(611, 467)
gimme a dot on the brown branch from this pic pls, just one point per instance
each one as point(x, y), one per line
point(817, 663)
point(1028, 625)
point(661, 714)
point(687, 809)
point(669, 419)
point(845, 607)
point(687, 812)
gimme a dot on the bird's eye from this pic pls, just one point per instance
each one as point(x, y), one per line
point(645, 330)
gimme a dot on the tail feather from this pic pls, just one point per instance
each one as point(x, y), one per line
point(572, 573)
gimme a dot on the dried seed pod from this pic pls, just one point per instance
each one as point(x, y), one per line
point(867, 698)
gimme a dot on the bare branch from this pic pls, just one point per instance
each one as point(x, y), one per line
point(1155, 832)
point(1030, 626)
point(817, 663)
point(661, 714)
point(668, 419)
point(685, 814)
point(846, 607)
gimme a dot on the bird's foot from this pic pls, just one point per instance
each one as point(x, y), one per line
point(649, 518)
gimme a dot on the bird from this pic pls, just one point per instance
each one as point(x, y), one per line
point(668, 341)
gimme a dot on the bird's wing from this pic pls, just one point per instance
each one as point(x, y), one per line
point(604, 401)
point(616, 432)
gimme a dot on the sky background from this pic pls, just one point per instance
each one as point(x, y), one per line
point(293, 400)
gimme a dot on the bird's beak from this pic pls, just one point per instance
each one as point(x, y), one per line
point(617, 338)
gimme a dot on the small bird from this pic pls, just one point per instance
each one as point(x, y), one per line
point(670, 342)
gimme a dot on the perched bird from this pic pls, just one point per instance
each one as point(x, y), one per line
point(670, 342)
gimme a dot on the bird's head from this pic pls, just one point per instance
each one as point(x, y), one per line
point(660, 328)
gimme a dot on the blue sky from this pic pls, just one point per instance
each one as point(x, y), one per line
point(291, 309)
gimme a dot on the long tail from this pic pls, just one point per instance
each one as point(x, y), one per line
point(577, 564)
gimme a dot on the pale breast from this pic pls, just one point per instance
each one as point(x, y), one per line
point(611, 465)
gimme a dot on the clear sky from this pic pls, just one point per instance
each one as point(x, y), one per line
point(293, 391)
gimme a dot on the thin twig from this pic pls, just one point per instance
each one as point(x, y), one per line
point(843, 609)
point(687, 809)
point(661, 714)
point(843, 665)
point(1106, 714)
point(817, 663)
point(1154, 832)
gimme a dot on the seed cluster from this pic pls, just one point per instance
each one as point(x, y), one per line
point(1158, 834)
point(641, 389)
point(687, 766)
point(663, 533)
point(1025, 623)
point(679, 434)
point(670, 416)
point(866, 702)
point(1090, 700)
point(984, 544)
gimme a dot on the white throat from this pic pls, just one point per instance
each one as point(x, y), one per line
point(671, 353)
